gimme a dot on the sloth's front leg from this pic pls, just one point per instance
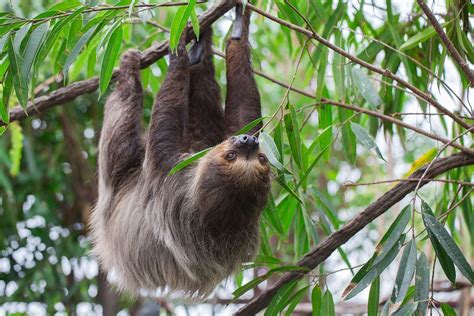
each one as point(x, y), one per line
point(243, 99)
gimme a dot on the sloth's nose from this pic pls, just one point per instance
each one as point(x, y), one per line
point(246, 141)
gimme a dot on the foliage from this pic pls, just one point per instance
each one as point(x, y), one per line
point(48, 161)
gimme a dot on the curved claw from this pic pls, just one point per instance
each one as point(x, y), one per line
point(195, 53)
point(238, 23)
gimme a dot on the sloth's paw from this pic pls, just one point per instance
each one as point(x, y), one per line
point(131, 60)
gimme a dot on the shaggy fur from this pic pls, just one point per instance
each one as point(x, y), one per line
point(183, 233)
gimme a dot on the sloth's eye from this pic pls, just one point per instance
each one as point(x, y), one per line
point(231, 155)
point(262, 158)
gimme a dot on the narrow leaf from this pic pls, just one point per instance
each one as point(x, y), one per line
point(365, 87)
point(77, 48)
point(16, 148)
point(405, 272)
point(316, 301)
point(327, 306)
point(110, 57)
point(422, 284)
point(437, 231)
point(374, 297)
point(365, 139)
point(186, 162)
point(19, 82)
point(405, 310)
point(376, 269)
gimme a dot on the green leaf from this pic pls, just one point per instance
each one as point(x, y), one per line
point(248, 286)
point(383, 248)
point(405, 310)
point(420, 37)
point(186, 162)
point(179, 23)
point(405, 272)
point(289, 190)
point(445, 261)
point(249, 126)
point(77, 48)
point(327, 306)
point(316, 301)
point(111, 55)
point(7, 89)
point(365, 139)
point(422, 283)
point(16, 148)
point(448, 310)
point(295, 299)
point(292, 131)
point(438, 232)
point(195, 24)
point(32, 48)
point(365, 87)
point(19, 82)
point(3, 42)
point(280, 299)
point(270, 150)
point(374, 271)
point(374, 297)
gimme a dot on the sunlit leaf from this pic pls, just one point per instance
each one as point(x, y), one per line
point(186, 162)
point(16, 148)
point(111, 55)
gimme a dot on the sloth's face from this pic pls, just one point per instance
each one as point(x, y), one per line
point(241, 159)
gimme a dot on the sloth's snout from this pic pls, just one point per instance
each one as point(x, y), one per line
point(244, 142)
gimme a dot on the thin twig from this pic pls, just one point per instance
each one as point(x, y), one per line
point(351, 184)
point(384, 72)
point(447, 42)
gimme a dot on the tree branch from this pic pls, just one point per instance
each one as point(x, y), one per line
point(384, 72)
point(340, 237)
point(149, 56)
point(449, 45)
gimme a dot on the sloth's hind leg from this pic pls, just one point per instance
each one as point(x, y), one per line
point(206, 116)
point(120, 147)
point(242, 100)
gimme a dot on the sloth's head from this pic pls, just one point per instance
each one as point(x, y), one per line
point(241, 160)
point(237, 161)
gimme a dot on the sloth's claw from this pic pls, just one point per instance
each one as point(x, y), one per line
point(238, 23)
point(195, 53)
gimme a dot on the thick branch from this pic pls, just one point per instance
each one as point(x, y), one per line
point(384, 72)
point(149, 56)
point(340, 237)
point(449, 45)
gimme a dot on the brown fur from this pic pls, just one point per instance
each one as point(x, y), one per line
point(183, 233)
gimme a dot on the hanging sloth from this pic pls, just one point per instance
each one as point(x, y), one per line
point(182, 233)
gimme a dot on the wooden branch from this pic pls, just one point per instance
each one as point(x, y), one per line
point(384, 72)
point(447, 42)
point(340, 237)
point(149, 56)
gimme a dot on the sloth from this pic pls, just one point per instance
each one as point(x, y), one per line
point(182, 233)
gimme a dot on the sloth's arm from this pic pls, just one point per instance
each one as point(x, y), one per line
point(243, 99)
point(166, 143)
point(120, 146)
